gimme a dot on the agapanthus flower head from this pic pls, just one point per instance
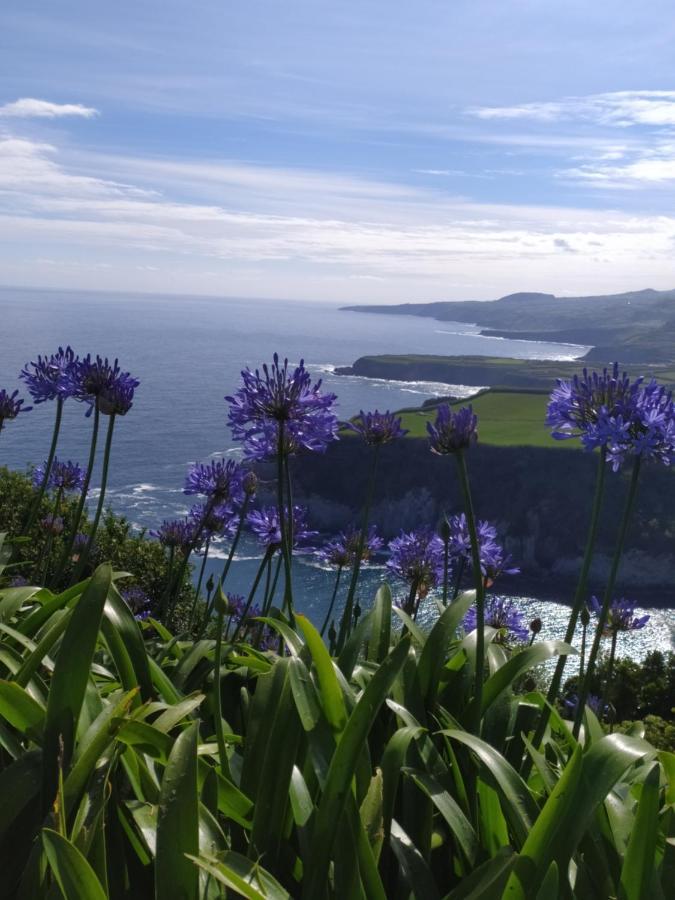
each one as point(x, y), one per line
point(416, 557)
point(213, 520)
point(377, 428)
point(52, 524)
point(102, 384)
point(453, 431)
point(621, 616)
point(264, 523)
point(648, 431)
point(11, 405)
point(137, 600)
point(593, 702)
point(342, 550)
point(51, 377)
point(64, 476)
point(179, 534)
point(575, 405)
point(493, 560)
point(18, 581)
point(503, 614)
point(281, 398)
point(220, 481)
point(608, 410)
point(80, 541)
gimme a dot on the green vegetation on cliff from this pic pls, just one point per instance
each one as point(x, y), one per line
point(507, 419)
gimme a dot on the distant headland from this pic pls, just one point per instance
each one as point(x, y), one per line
point(633, 327)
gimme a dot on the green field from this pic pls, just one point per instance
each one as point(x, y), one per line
point(505, 418)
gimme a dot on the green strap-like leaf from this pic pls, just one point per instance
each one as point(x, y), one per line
point(178, 822)
point(74, 875)
point(331, 697)
point(637, 868)
point(19, 709)
point(242, 875)
point(343, 768)
point(434, 652)
point(380, 625)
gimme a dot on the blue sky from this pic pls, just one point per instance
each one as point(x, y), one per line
point(375, 151)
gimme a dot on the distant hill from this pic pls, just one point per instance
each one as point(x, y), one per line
point(636, 326)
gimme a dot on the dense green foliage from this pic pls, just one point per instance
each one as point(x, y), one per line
point(350, 777)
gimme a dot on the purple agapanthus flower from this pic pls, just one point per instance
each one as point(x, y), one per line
point(453, 431)
point(608, 410)
point(64, 476)
point(104, 385)
point(377, 428)
point(281, 398)
point(18, 581)
point(137, 600)
point(212, 521)
point(493, 560)
point(342, 550)
point(621, 616)
point(220, 481)
point(502, 614)
point(52, 524)
point(51, 377)
point(416, 557)
point(179, 534)
point(266, 637)
point(11, 406)
point(264, 523)
point(80, 541)
point(593, 702)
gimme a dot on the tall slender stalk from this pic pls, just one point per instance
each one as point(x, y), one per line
point(252, 592)
point(199, 582)
point(480, 586)
point(84, 556)
point(164, 603)
point(286, 550)
point(70, 542)
point(235, 540)
point(35, 505)
point(609, 592)
point(332, 601)
point(217, 702)
point(577, 604)
point(345, 622)
point(267, 604)
point(50, 539)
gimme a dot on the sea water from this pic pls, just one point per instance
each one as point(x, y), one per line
point(188, 353)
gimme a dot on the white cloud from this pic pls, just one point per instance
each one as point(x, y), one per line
point(281, 232)
point(618, 108)
point(30, 108)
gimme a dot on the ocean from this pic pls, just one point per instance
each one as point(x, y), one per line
point(188, 353)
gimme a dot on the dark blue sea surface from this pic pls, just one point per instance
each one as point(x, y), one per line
point(187, 353)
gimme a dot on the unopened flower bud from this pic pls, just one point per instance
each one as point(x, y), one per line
point(250, 483)
point(535, 625)
point(585, 616)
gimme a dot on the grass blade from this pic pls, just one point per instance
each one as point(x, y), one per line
point(74, 875)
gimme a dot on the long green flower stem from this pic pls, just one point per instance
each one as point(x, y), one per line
point(70, 542)
point(217, 703)
point(35, 505)
point(269, 597)
point(286, 550)
point(84, 556)
point(458, 578)
point(235, 540)
point(607, 599)
point(332, 601)
point(251, 595)
point(50, 540)
point(577, 604)
point(346, 621)
point(164, 604)
point(199, 582)
point(582, 652)
point(610, 671)
point(480, 586)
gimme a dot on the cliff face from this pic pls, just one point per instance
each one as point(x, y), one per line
point(539, 499)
